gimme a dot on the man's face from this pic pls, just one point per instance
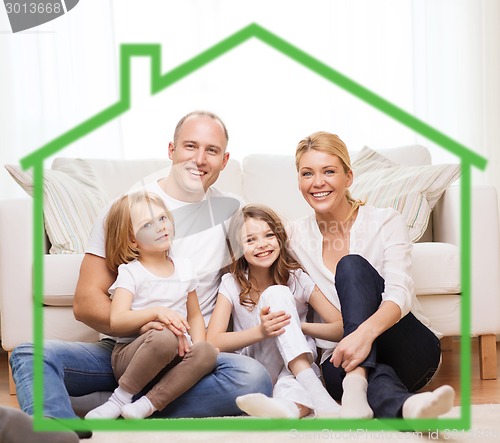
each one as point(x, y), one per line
point(198, 156)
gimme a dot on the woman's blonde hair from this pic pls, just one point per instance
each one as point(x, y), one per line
point(120, 236)
point(331, 144)
point(280, 269)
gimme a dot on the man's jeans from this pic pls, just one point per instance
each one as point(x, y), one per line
point(77, 369)
point(403, 359)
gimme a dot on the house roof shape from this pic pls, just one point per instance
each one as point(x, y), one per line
point(160, 81)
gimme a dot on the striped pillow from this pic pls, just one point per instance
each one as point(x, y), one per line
point(412, 190)
point(72, 200)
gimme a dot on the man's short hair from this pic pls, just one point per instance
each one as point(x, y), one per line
point(199, 114)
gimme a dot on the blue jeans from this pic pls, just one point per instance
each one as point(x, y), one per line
point(402, 360)
point(77, 369)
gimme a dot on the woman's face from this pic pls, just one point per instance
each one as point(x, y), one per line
point(323, 182)
point(260, 245)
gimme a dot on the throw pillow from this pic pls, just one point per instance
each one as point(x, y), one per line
point(72, 201)
point(412, 190)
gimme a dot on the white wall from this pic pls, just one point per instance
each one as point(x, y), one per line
point(268, 101)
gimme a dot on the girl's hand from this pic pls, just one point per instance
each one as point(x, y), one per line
point(272, 324)
point(172, 320)
point(151, 325)
point(352, 350)
point(183, 346)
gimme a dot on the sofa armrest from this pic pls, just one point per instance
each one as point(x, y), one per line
point(16, 296)
point(485, 250)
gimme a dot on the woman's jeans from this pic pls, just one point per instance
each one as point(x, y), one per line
point(402, 360)
point(77, 369)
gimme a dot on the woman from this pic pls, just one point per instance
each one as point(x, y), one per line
point(360, 258)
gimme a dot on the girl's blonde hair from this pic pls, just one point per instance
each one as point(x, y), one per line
point(331, 144)
point(280, 269)
point(120, 236)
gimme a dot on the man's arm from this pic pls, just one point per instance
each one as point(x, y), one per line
point(92, 304)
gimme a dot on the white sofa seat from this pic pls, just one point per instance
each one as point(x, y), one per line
point(272, 180)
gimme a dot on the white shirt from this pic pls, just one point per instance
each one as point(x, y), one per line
point(199, 235)
point(150, 290)
point(381, 237)
point(301, 287)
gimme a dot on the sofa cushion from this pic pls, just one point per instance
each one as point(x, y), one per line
point(412, 190)
point(116, 176)
point(72, 200)
point(436, 268)
point(435, 272)
point(408, 155)
point(61, 275)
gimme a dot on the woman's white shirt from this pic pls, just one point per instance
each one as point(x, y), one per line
point(381, 237)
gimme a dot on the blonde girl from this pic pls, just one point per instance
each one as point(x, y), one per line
point(151, 290)
point(267, 295)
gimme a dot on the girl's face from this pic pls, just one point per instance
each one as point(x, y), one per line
point(152, 227)
point(323, 182)
point(260, 245)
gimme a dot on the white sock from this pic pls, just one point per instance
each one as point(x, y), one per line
point(112, 408)
point(324, 405)
point(141, 408)
point(429, 404)
point(354, 399)
point(259, 405)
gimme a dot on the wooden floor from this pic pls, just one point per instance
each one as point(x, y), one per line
point(483, 391)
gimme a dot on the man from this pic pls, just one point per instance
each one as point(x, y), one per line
point(198, 155)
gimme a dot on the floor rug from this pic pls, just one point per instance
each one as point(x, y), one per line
point(485, 428)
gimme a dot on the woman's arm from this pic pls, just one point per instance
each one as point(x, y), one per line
point(333, 327)
point(195, 318)
point(396, 298)
point(124, 321)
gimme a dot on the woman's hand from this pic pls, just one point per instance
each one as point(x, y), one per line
point(352, 350)
point(272, 324)
point(172, 320)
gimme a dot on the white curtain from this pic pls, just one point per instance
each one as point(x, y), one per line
point(437, 59)
point(457, 74)
point(268, 101)
point(54, 77)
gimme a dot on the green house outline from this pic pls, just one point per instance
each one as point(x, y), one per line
point(161, 81)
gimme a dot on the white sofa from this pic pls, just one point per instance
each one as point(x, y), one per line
point(268, 179)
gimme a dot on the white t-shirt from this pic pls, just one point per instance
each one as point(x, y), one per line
point(381, 237)
point(151, 290)
point(301, 287)
point(199, 235)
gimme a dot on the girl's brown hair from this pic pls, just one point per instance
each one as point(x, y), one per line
point(120, 236)
point(280, 269)
point(331, 144)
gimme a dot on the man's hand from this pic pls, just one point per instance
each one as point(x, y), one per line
point(183, 343)
point(272, 324)
point(172, 320)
